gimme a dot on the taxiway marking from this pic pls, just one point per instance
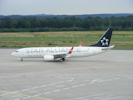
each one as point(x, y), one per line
point(66, 88)
point(82, 84)
point(112, 98)
point(46, 92)
point(74, 86)
point(86, 97)
point(60, 86)
point(47, 89)
point(26, 96)
point(32, 92)
point(56, 90)
point(58, 70)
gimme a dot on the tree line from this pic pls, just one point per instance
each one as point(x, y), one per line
point(66, 24)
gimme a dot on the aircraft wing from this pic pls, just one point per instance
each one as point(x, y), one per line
point(63, 55)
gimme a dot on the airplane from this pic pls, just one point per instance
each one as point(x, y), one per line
point(61, 53)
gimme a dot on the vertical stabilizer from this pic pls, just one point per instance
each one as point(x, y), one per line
point(105, 39)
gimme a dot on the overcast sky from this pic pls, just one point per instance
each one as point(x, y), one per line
point(68, 7)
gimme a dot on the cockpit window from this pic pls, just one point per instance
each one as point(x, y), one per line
point(16, 51)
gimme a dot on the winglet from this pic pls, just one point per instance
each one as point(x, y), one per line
point(70, 50)
point(81, 44)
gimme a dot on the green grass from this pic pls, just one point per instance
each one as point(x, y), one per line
point(123, 47)
point(67, 34)
point(121, 39)
point(61, 39)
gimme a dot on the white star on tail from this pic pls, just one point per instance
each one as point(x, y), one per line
point(104, 41)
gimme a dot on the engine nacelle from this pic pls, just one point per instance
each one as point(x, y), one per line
point(48, 58)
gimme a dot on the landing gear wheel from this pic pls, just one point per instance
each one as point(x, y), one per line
point(63, 59)
point(21, 59)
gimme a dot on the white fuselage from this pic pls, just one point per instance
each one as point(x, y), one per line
point(40, 52)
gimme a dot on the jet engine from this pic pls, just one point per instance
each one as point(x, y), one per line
point(48, 57)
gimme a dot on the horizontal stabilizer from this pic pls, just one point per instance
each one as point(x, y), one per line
point(111, 46)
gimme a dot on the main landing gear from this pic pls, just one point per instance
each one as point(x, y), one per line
point(62, 59)
point(21, 59)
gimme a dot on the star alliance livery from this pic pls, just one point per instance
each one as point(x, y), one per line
point(61, 53)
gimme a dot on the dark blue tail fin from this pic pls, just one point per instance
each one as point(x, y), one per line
point(105, 39)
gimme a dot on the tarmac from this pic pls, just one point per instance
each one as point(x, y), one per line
point(108, 76)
